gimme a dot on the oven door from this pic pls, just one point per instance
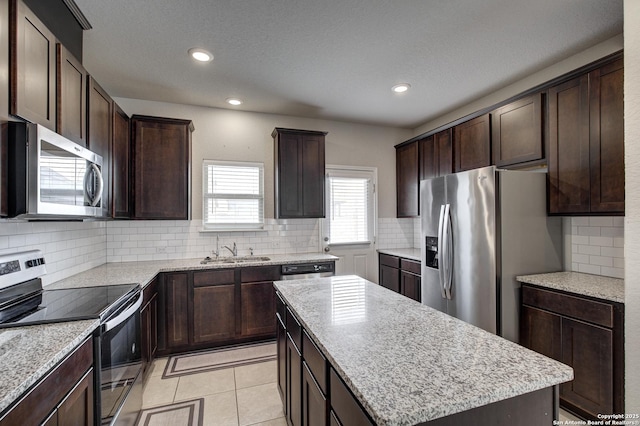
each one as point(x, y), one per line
point(121, 365)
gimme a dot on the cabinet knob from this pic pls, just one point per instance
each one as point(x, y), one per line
point(327, 249)
point(326, 238)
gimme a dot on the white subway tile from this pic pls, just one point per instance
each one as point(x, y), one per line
point(589, 269)
point(601, 241)
point(601, 221)
point(612, 252)
point(592, 250)
point(589, 231)
point(601, 261)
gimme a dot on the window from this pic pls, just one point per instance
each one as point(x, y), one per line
point(350, 201)
point(233, 195)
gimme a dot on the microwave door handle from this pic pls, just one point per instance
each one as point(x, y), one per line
point(94, 199)
point(441, 249)
point(123, 316)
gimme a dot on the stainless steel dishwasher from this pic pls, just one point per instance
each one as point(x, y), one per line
point(307, 270)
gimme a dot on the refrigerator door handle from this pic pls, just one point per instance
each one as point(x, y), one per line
point(448, 254)
point(441, 251)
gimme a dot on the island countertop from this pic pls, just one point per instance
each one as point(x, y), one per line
point(407, 363)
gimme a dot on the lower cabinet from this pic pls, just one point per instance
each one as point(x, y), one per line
point(149, 324)
point(584, 333)
point(64, 397)
point(208, 308)
point(312, 394)
point(400, 275)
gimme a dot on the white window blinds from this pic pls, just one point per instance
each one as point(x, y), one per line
point(233, 195)
point(350, 209)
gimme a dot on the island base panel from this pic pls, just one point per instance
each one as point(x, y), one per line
point(532, 409)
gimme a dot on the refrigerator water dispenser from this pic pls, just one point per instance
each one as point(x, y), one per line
point(431, 244)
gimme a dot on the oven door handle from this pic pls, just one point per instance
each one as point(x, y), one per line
point(124, 315)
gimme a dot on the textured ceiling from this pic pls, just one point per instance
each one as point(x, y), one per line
point(335, 59)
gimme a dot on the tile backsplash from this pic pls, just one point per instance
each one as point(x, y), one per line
point(597, 245)
point(183, 239)
point(396, 233)
point(69, 247)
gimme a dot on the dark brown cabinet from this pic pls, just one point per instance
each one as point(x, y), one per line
point(436, 155)
point(175, 308)
point(121, 164)
point(517, 131)
point(100, 137)
point(214, 304)
point(162, 167)
point(281, 348)
point(299, 173)
point(149, 325)
point(472, 144)
point(220, 306)
point(400, 275)
point(63, 397)
point(294, 383)
point(314, 402)
point(71, 97)
point(407, 180)
point(33, 67)
point(586, 334)
point(258, 300)
point(586, 143)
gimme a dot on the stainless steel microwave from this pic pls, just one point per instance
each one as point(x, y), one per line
point(51, 177)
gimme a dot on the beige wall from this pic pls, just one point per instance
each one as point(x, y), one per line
point(576, 61)
point(245, 136)
point(632, 218)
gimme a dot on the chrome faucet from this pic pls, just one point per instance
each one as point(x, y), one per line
point(216, 253)
point(234, 250)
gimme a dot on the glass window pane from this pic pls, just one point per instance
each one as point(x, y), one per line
point(349, 210)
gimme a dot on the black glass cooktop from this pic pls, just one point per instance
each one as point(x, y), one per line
point(71, 304)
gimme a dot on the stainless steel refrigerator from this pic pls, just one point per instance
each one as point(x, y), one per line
point(479, 230)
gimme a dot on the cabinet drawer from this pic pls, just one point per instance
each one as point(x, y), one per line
point(344, 404)
point(217, 277)
point(388, 260)
point(294, 329)
point(281, 309)
point(571, 306)
point(316, 361)
point(260, 273)
point(410, 266)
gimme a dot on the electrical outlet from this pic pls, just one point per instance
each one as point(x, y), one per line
point(162, 249)
point(275, 244)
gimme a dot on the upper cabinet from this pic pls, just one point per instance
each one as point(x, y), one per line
point(100, 137)
point(33, 67)
point(71, 90)
point(299, 173)
point(161, 167)
point(586, 143)
point(472, 141)
point(121, 161)
point(407, 179)
point(517, 131)
point(436, 155)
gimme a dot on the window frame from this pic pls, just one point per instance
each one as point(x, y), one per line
point(238, 226)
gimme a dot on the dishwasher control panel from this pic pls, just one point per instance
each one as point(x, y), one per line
point(308, 268)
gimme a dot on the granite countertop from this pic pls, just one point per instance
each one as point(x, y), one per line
point(606, 288)
point(407, 253)
point(143, 272)
point(407, 363)
point(28, 353)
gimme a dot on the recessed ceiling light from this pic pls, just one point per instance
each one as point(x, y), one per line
point(234, 101)
point(200, 55)
point(401, 88)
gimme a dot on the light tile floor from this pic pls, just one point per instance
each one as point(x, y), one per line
point(237, 396)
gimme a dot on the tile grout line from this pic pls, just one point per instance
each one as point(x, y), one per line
point(235, 393)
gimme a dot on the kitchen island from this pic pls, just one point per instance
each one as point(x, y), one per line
point(405, 363)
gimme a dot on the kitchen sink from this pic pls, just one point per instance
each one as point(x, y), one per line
point(231, 260)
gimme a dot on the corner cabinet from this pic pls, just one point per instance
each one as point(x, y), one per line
point(586, 143)
point(161, 167)
point(299, 173)
point(121, 164)
point(584, 333)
